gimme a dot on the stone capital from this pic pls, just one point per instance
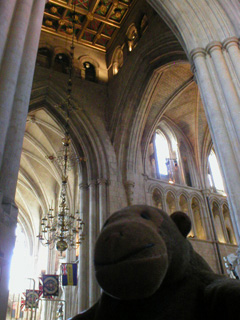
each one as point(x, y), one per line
point(229, 42)
point(129, 183)
point(214, 45)
point(102, 181)
point(83, 185)
point(92, 183)
point(198, 52)
point(206, 192)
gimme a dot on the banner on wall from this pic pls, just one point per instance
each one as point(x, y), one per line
point(32, 298)
point(69, 274)
point(50, 285)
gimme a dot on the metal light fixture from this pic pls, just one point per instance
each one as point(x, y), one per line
point(63, 228)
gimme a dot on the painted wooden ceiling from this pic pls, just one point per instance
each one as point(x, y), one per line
point(94, 23)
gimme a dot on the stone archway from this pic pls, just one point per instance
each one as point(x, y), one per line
point(209, 33)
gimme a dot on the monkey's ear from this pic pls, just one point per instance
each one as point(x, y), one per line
point(182, 221)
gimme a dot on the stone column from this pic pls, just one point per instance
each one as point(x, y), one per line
point(230, 103)
point(6, 12)
point(103, 212)
point(93, 231)
point(221, 132)
point(19, 43)
point(11, 60)
point(232, 47)
point(83, 286)
point(164, 204)
point(15, 133)
point(7, 240)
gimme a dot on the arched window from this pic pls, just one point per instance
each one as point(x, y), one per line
point(200, 232)
point(61, 63)
point(162, 151)
point(185, 163)
point(214, 173)
point(166, 156)
point(44, 57)
point(90, 73)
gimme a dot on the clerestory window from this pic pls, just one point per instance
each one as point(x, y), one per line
point(214, 173)
point(166, 154)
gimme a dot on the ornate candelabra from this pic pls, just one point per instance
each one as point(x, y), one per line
point(63, 228)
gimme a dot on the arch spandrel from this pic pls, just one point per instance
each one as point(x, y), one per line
point(196, 23)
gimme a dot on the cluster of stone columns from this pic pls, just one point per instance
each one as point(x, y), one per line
point(217, 73)
point(212, 45)
point(93, 208)
point(19, 36)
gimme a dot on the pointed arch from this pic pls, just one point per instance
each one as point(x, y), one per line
point(157, 198)
point(85, 137)
point(228, 224)
point(197, 23)
point(183, 203)
point(170, 202)
point(218, 221)
point(198, 221)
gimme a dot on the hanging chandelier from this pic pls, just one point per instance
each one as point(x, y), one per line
point(64, 229)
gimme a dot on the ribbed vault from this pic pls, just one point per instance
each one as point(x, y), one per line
point(39, 180)
point(173, 96)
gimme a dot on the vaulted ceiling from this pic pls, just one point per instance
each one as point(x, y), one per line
point(174, 95)
point(40, 175)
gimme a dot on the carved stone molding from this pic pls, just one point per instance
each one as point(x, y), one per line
point(206, 192)
point(232, 41)
point(194, 54)
point(102, 181)
point(214, 45)
point(197, 52)
point(92, 183)
point(83, 185)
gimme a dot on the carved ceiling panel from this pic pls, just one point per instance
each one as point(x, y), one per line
point(94, 23)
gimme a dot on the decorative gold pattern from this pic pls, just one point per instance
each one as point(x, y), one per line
point(96, 21)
